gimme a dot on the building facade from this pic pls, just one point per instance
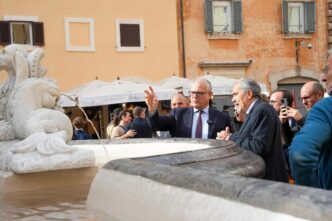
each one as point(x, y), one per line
point(104, 39)
point(281, 43)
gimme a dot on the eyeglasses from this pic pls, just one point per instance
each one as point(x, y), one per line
point(178, 103)
point(308, 97)
point(197, 93)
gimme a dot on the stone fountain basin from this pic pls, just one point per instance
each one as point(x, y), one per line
point(214, 183)
point(219, 156)
point(55, 183)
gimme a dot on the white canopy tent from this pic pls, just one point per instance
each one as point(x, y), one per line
point(136, 79)
point(117, 92)
point(176, 82)
point(222, 85)
point(80, 90)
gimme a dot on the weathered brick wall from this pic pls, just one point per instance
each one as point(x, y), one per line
point(261, 41)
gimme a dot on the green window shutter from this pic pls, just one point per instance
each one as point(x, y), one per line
point(310, 17)
point(208, 16)
point(5, 37)
point(237, 16)
point(285, 16)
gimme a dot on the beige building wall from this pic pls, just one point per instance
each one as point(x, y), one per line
point(261, 51)
point(71, 68)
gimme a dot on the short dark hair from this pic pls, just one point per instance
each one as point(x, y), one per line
point(138, 110)
point(79, 122)
point(285, 94)
point(118, 118)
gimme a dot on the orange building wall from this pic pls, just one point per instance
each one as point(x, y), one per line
point(261, 41)
point(158, 61)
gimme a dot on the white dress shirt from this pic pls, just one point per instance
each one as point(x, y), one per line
point(250, 107)
point(205, 125)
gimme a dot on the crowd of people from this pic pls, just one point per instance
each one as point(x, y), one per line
point(293, 146)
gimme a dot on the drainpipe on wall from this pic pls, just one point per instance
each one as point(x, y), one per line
point(297, 56)
point(182, 41)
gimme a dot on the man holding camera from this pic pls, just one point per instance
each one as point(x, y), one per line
point(281, 100)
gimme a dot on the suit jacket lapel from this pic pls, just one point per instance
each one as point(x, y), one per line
point(212, 122)
point(188, 117)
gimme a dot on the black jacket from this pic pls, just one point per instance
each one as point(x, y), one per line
point(142, 128)
point(260, 133)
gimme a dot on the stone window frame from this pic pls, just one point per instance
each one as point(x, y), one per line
point(309, 19)
point(35, 29)
point(236, 20)
point(90, 22)
point(120, 48)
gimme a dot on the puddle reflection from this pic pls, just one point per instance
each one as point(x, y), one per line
point(54, 204)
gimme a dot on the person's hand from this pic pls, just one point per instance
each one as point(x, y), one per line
point(224, 134)
point(131, 133)
point(151, 99)
point(294, 113)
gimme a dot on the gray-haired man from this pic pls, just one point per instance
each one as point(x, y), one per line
point(260, 131)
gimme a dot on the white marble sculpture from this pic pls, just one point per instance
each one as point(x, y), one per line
point(29, 114)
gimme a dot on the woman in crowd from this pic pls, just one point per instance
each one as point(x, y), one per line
point(120, 123)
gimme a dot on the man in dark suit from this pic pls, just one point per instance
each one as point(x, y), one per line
point(197, 121)
point(260, 131)
point(140, 125)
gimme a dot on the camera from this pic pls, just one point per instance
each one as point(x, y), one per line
point(284, 102)
point(283, 109)
point(309, 46)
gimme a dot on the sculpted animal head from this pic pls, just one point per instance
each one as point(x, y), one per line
point(51, 95)
point(36, 93)
point(48, 92)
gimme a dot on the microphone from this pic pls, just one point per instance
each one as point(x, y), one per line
point(209, 122)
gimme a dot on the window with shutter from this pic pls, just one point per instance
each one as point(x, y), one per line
point(298, 17)
point(223, 18)
point(21, 32)
point(129, 35)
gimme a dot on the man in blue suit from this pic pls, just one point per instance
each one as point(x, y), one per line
point(310, 153)
point(260, 131)
point(197, 121)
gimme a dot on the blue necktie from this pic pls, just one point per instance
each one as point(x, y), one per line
point(199, 126)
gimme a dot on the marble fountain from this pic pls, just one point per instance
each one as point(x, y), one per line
point(46, 176)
